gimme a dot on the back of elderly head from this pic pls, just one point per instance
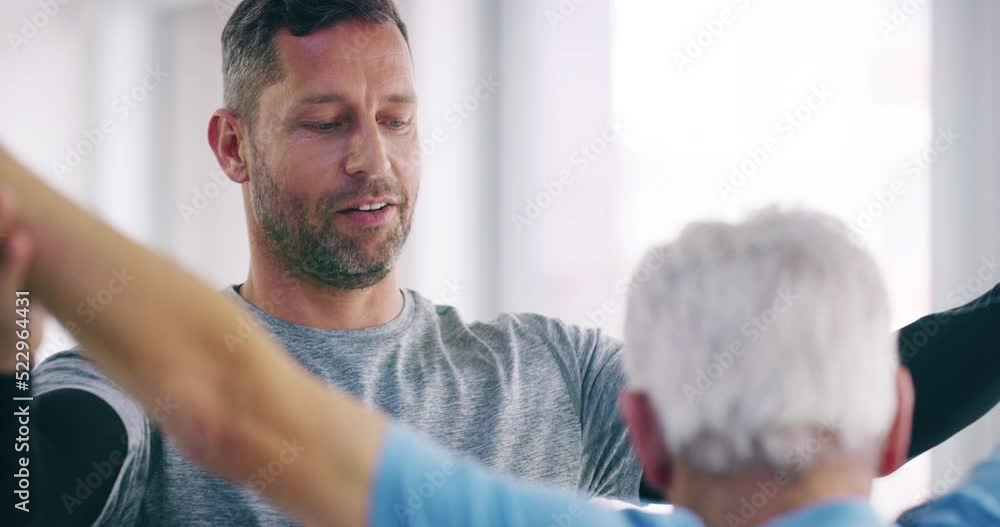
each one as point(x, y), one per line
point(760, 360)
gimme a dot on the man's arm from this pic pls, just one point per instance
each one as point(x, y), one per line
point(235, 409)
point(62, 432)
point(954, 357)
point(976, 501)
point(421, 485)
point(610, 466)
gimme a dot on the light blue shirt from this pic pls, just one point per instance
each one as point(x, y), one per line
point(420, 484)
point(976, 501)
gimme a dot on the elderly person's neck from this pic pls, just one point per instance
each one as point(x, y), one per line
point(760, 494)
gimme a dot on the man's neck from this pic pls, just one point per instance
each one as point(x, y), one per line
point(283, 295)
point(768, 494)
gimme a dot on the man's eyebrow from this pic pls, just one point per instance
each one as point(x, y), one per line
point(402, 98)
point(329, 98)
point(322, 99)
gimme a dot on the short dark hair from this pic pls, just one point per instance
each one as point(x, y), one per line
point(250, 59)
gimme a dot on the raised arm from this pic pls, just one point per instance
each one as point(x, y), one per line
point(236, 409)
point(954, 357)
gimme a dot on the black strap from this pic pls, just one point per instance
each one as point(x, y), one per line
point(77, 445)
point(954, 358)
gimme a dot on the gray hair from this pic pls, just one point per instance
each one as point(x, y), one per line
point(765, 342)
point(250, 59)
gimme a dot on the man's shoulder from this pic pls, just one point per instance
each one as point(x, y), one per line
point(522, 328)
point(68, 364)
point(73, 370)
point(974, 501)
point(835, 513)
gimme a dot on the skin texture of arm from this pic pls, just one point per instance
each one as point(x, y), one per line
point(236, 409)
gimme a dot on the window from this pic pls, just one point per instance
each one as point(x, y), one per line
point(737, 104)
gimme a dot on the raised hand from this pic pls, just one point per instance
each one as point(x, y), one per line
point(20, 314)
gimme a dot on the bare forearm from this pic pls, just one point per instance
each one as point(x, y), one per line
point(161, 336)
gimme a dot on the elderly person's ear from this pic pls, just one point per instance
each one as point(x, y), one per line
point(644, 428)
point(897, 441)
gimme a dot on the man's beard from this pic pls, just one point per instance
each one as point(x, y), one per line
point(309, 246)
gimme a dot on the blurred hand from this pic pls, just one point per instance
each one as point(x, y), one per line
point(19, 338)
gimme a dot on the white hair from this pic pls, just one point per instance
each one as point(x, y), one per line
point(750, 338)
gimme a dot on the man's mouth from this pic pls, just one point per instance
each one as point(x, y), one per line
point(373, 203)
point(369, 213)
point(372, 206)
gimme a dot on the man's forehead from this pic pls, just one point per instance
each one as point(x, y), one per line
point(335, 65)
point(374, 45)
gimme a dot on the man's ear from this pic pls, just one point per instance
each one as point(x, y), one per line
point(225, 138)
point(644, 428)
point(897, 443)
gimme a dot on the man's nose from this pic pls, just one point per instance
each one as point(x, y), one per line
point(367, 156)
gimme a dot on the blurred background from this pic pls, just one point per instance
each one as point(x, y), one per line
point(561, 138)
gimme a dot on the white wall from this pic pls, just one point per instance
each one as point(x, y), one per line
point(558, 221)
point(966, 187)
point(450, 250)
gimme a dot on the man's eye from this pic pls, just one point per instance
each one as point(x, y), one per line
point(325, 127)
point(396, 123)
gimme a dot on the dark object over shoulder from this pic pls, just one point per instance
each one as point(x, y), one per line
point(74, 439)
point(954, 357)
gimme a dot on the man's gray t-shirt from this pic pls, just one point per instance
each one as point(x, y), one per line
point(525, 394)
